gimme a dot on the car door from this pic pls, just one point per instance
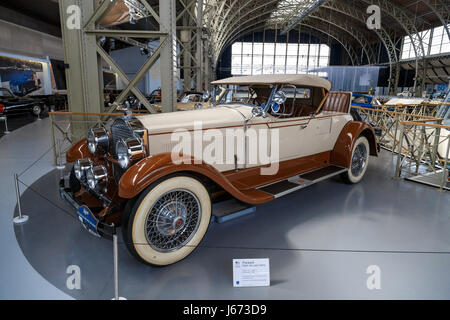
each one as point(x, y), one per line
point(294, 135)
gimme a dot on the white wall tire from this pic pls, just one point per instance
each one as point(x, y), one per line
point(143, 219)
point(359, 161)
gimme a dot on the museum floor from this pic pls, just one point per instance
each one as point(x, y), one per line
point(320, 240)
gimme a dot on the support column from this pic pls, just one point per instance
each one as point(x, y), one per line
point(186, 38)
point(167, 12)
point(84, 80)
point(199, 43)
point(207, 66)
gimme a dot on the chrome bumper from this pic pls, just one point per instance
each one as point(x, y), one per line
point(87, 219)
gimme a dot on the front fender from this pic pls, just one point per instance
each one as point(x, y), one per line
point(342, 152)
point(80, 150)
point(145, 172)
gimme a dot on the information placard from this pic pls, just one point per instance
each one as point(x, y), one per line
point(251, 273)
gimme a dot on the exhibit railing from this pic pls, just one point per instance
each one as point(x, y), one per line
point(415, 136)
point(68, 128)
point(423, 152)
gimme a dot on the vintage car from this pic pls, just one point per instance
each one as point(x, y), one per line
point(129, 173)
point(11, 104)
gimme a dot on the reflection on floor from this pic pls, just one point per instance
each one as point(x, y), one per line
point(18, 121)
point(320, 241)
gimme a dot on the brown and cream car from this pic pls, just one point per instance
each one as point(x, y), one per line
point(129, 173)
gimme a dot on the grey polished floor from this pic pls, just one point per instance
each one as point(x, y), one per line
point(320, 242)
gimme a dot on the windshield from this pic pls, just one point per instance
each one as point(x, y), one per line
point(5, 93)
point(246, 95)
point(192, 98)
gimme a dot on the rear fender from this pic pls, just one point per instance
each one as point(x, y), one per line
point(342, 152)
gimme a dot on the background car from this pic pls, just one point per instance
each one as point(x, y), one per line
point(12, 104)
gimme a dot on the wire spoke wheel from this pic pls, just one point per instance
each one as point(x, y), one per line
point(173, 220)
point(359, 161)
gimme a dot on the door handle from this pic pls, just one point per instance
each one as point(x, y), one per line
point(303, 127)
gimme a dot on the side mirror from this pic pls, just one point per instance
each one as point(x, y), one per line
point(206, 96)
point(258, 112)
point(279, 97)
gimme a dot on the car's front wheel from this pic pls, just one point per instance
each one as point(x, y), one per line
point(37, 110)
point(359, 161)
point(168, 221)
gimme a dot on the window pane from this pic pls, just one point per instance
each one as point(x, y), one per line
point(269, 49)
point(268, 64)
point(314, 50)
point(257, 48)
point(324, 50)
point(323, 61)
point(236, 48)
point(303, 61)
point(435, 49)
point(303, 49)
point(281, 49)
point(247, 48)
point(292, 49)
point(257, 64)
point(313, 61)
point(236, 61)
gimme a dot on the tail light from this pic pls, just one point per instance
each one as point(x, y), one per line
point(2, 108)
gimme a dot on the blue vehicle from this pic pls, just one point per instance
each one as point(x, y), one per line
point(21, 82)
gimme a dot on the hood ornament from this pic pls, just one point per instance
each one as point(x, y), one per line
point(126, 108)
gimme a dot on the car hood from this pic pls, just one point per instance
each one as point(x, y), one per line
point(218, 117)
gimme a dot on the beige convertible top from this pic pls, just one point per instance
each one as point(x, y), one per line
point(299, 80)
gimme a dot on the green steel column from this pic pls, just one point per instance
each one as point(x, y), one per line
point(167, 13)
point(199, 45)
point(84, 75)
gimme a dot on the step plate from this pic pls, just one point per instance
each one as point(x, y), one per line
point(284, 187)
point(230, 209)
point(321, 173)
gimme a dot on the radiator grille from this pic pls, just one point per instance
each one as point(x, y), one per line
point(120, 130)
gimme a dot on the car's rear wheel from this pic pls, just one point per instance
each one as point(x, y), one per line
point(168, 221)
point(359, 161)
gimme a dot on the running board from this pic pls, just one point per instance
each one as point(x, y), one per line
point(284, 187)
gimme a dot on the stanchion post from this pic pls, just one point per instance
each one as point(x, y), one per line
point(445, 169)
point(398, 166)
point(21, 218)
point(6, 125)
point(116, 267)
point(60, 165)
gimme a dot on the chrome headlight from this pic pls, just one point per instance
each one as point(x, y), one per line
point(97, 178)
point(98, 139)
point(81, 167)
point(128, 151)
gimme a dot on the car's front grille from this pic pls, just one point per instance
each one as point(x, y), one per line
point(120, 130)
